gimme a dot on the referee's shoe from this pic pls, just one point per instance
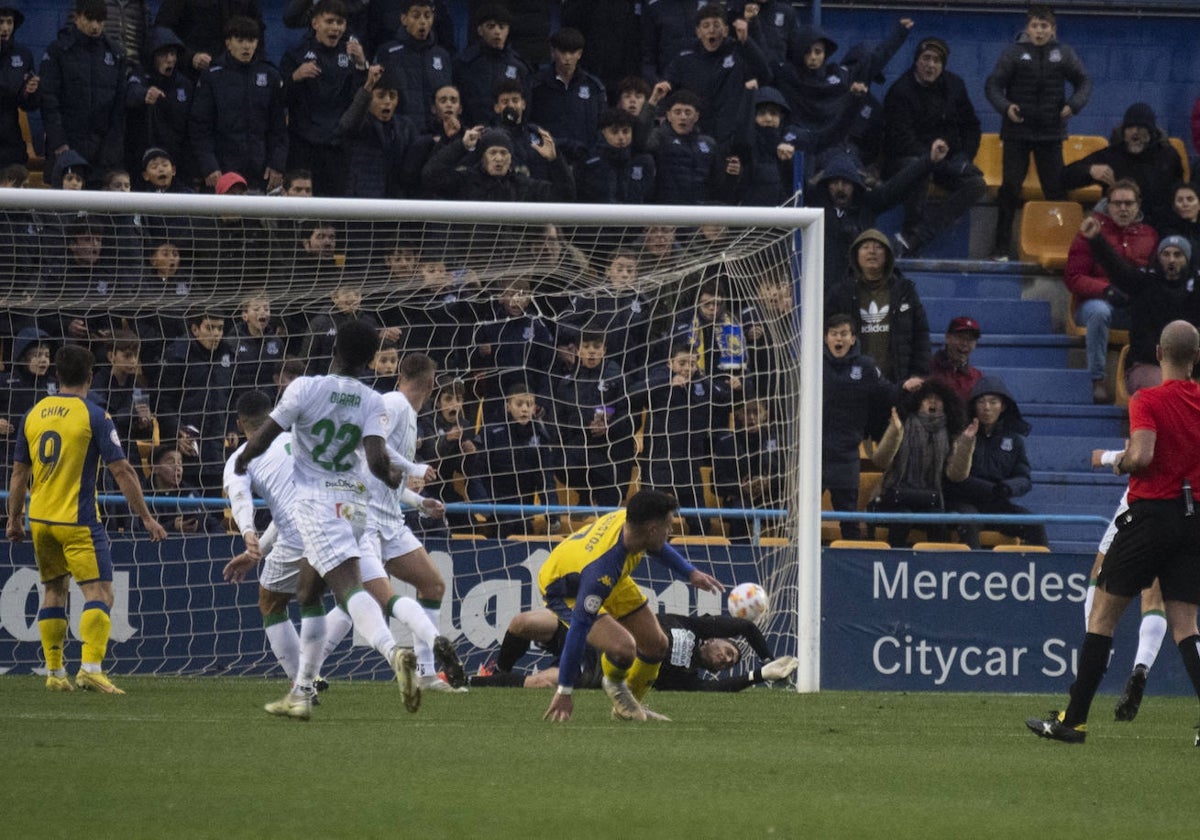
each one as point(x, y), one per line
point(1054, 729)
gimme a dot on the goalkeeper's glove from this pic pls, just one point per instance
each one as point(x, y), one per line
point(779, 669)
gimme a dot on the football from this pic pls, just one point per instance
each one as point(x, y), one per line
point(748, 601)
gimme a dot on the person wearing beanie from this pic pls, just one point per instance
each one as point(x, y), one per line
point(1159, 293)
point(1139, 150)
point(478, 167)
point(20, 87)
point(889, 317)
point(930, 103)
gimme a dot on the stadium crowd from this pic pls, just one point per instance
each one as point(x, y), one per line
point(541, 382)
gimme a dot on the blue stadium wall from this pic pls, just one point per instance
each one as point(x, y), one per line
point(891, 620)
point(1152, 59)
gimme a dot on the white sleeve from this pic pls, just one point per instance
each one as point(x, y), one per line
point(409, 467)
point(411, 497)
point(241, 497)
point(267, 539)
point(288, 408)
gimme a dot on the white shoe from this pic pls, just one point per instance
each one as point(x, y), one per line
point(625, 705)
point(434, 682)
point(294, 704)
point(404, 665)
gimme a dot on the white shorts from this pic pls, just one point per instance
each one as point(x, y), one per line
point(281, 569)
point(385, 538)
point(1111, 530)
point(331, 528)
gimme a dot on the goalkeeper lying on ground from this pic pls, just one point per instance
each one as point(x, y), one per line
point(697, 642)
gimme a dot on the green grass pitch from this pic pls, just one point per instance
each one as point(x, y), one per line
point(184, 758)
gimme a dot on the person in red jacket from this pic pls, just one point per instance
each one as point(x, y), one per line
point(1093, 296)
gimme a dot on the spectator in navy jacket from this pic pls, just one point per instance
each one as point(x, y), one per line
point(238, 122)
point(614, 173)
point(159, 103)
point(722, 70)
point(455, 172)
point(83, 81)
point(379, 148)
point(486, 63)
point(202, 26)
point(19, 84)
point(566, 99)
point(668, 26)
point(421, 65)
point(690, 168)
point(383, 23)
point(320, 77)
point(999, 465)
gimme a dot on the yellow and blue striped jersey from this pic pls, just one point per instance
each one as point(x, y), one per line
point(64, 438)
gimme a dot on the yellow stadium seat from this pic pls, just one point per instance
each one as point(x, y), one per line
point(873, 544)
point(1025, 549)
point(1076, 147)
point(989, 161)
point(1179, 146)
point(699, 540)
point(1115, 337)
point(536, 538)
point(776, 542)
point(925, 545)
point(1047, 229)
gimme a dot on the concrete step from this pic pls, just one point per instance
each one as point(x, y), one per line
point(1012, 317)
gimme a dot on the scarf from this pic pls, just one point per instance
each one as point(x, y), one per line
point(921, 461)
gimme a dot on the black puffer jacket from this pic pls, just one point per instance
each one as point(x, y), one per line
point(1035, 79)
point(999, 464)
point(916, 114)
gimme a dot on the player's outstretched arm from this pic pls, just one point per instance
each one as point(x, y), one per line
point(127, 480)
point(18, 486)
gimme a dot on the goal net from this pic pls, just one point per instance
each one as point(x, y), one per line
point(582, 352)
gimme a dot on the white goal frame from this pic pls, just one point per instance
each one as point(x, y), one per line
point(809, 222)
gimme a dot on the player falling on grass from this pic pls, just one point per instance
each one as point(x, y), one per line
point(60, 444)
point(335, 421)
point(586, 582)
point(389, 545)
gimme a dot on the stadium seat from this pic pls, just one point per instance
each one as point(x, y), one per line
point(463, 536)
point(775, 542)
point(925, 545)
point(1024, 549)
point(874, 544)
point(716, 525)
point(991, 539)
point(536, 538)
point(1115, 337)
point(1076, 147)
point(36, 164)
point(1120, 392)
point(1047, 229)
point(699, 540)
point(988, 160)
point(1179, 146)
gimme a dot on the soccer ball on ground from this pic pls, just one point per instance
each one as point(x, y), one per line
point(748, 601)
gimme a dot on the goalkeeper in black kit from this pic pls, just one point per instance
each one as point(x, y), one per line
point(697, 643)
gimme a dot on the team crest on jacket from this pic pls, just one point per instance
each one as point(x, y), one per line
point(1055, 55)
point(272, 348)
point(585, 92)
point(727, 62)
point(180, 95)
point(702, 146)
point(779, 18)
point(17, 61)
point(1006, 445)
point(698, 389)
point(527, 334)
point(510, 72)
point(343, 60)
point(437, 62)
point(635, 173)
point(856, 372)
point(109, 61)
point(260, 79)
point(226, 361)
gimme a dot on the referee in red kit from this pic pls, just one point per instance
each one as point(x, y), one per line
point(1159, 536)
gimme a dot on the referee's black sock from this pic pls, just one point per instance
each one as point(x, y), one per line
point(1189, 649)
point(511, 649)
point(1093, 662)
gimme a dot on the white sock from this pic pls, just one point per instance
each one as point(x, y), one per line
point(312, 643)
point(1087, 603)
point(337, 625)
point(1150, 638)
point(369, 621)
point(285, 644)
point(424, 651)
point(409, 613)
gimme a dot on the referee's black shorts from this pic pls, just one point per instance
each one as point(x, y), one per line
point(1154, 540)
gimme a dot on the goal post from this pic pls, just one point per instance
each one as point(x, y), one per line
point(398, 257)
